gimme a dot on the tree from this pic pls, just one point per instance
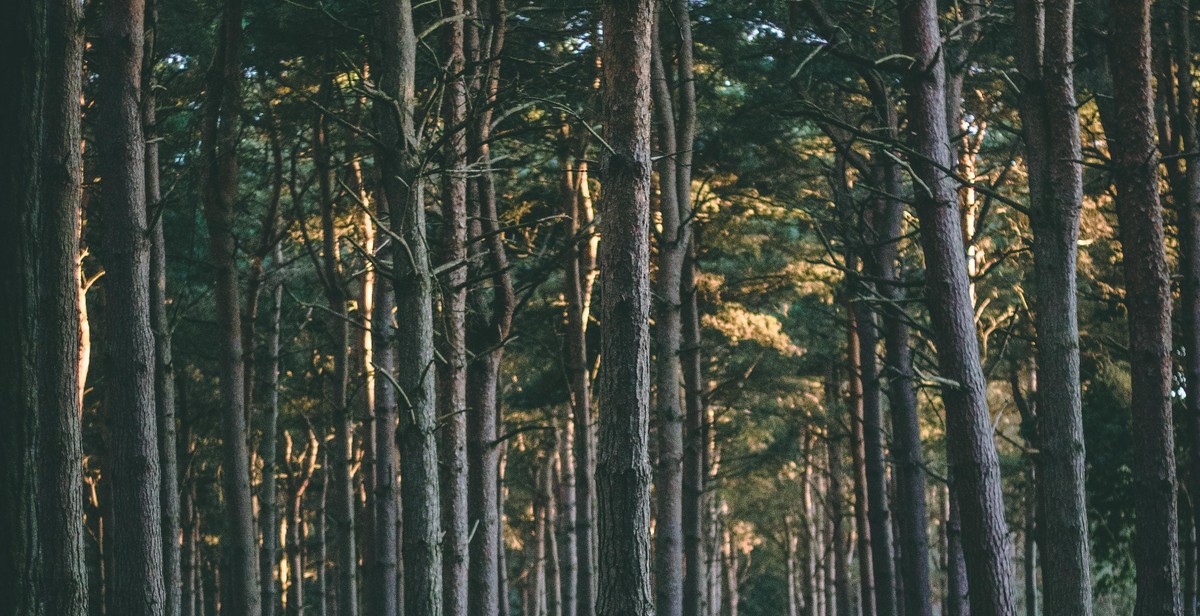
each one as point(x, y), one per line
point(137, 586)
point(1050, 125)
point(219, 179)
point(413, 288)
point(968, 423)
point(1130, 132)
point(622, 463)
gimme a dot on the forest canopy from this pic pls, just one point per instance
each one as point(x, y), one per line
point(599, 307)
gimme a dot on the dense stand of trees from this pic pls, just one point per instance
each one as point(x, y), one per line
point(630, 307)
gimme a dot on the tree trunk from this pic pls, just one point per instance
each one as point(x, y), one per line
point(968, 423)
point(267, 501)
point(839, 540)
point(452, 369)
point(672, 247)
point(137, 586)
point(866, 572)
point(1135, 174)
point(568, 548)
point(341, 512)
point(1051, 128)
point(413, 289)
point(164, 379)
point(219, 170)
point(622, 465)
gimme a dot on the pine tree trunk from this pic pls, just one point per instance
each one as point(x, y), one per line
point(672, 247)
point(267, 500)
point(219, 170)
point(137, 584)
point(858, 456)
point(568, 548)
point(341, 512)
point(622, 465)
point(1051, 128)
point(1135, 174)
point(413, 288)
point(968, 422)
point(452, 369)
point(164, 379)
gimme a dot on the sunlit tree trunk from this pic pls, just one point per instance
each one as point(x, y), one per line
point(622, 466)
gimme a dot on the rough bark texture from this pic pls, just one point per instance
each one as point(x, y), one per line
point(164, 378)
point(341, 509)
point(835, 436)
point(968, 424)
point(1187, 202)
point(866, 575)
point(672, 247)
point(491, 305)
point(1050, 125)
point(137, 582)
point(622, 465)
point(568, 548)
point(452, 367)
point(267, 499)
point(61, 448)
point(413, 287)
point(1147, 298)
point(219, 169)
point(42, 536)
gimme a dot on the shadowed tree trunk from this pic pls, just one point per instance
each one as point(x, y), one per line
point(164, 379)
point(672, 247)
point(1051, 128)
point(413, 287)
point(41, 478)
point(137, 582)
point(839, 541)
point(219, 171)
point(452, 369)
point(491, 302)
point(1135, 174)
point(622, 465)
point(968, 423)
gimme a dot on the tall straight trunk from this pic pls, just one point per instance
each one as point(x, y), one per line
point(568, 548)
point(835, 434)
point(878, 512)
point(137, 586)
point(866, 572)
point(491, 305)
point(622, 465)
point(452, 369)
point(341, 510)
point(578, 275)
point(1139, 216)
point(61, 373)
point(321, 591)
point(1187, 203)
point(909, 471)
point(550, 522)
point(1030, 552)
point(968, 423)
point(695, 578)
point(187, 553)
point(300, 473)
point(23, 63)
point(41, 481)
point(219, 171)
point(267, 500)
point(413, 288)
point(1051, 128)
point(164, 379)
point(956, 566)
point(672, 247)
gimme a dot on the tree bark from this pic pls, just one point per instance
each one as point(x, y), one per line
point(413, 288)
point(866, 571)
point(622, 466)
point(1051, 129)
point(672, 247)
point(835, 433)
point(1135, 173)
point(968, 423)
point(341, 511)
point(137, 583)
point(568, 548)
point(41, 480)
point(219, 170)
point(164, 379)
point(452, 369)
